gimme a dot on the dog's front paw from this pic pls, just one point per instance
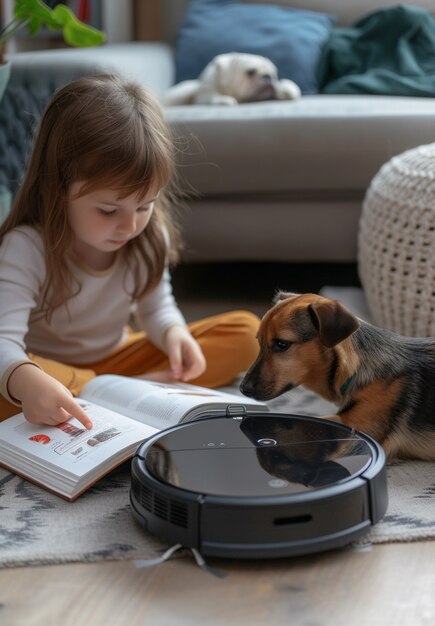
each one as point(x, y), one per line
point(226, 100)
point(287, 90)
point(215, 98)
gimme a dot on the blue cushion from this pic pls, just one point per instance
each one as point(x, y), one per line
point(291, 38)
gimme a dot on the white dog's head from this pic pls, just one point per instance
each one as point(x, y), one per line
point(245, 77)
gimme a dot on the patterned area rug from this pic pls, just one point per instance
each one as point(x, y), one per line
point(37, 527)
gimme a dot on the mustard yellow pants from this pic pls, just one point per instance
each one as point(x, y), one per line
point(228, 342)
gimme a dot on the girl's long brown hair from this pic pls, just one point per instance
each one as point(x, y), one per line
point(111, 134)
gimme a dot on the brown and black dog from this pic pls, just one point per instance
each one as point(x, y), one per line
point(383, 383)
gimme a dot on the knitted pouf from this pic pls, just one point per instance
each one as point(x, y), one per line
point(396, 244)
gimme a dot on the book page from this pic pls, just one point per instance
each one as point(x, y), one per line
point(157, 404)
point(69, 446)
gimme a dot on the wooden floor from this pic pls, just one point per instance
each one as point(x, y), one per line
point(390, 585)
point(386, 585)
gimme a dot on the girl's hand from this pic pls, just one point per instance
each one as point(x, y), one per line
point(186, 359)
point(44, 400)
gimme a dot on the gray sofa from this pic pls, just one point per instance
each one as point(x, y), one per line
point(274, 181)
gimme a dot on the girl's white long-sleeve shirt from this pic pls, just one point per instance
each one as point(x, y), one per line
point(90, 327)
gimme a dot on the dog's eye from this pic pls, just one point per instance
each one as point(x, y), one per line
point(280, 345)
point(251, 73)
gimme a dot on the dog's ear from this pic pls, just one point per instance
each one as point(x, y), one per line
point(332, 321)
point(283, 295)
point(221, 68)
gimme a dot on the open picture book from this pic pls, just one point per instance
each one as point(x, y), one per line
point(67, 459)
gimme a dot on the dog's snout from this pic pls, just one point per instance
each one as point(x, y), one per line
point(247, 387)
point(266, 78)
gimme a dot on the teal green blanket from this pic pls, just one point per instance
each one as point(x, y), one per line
point(389, 52)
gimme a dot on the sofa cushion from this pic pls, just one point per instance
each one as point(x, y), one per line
point(303, 148)
point(293, 39)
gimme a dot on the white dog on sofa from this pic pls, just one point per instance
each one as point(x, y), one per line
point(232, 78)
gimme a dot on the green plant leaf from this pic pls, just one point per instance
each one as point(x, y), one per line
point(35, 13)
point(74, 31)
point(38, 14)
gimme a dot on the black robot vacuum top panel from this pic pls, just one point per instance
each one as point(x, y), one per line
point(259, 485)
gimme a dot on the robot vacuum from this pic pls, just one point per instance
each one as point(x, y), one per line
point(259, 485)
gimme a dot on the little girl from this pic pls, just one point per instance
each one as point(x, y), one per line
point(86, 245)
